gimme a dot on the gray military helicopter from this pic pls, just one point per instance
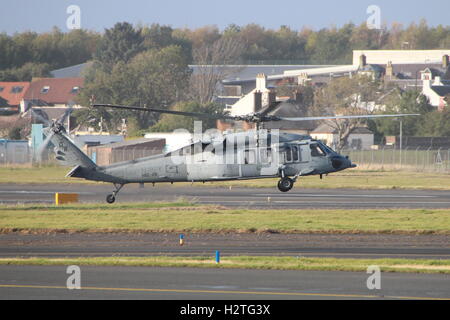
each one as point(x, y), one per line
point(255, 154)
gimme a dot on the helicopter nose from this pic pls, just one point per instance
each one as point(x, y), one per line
point(340, 163)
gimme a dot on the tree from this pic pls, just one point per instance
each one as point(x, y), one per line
point(435, 124)
point(119, 44)
point(346, 96)
point(210, 58)
point(14, 133)
point(26, 72)
point(78, 46)
point(404, 102)
point(153, 79)
point(158, 37)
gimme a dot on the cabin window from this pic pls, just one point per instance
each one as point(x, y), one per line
point(266, 156)
point(316, 151)
point(295, 153)
point(288, 154)
point(249, 157)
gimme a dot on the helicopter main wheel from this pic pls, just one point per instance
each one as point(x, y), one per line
point(285, 184)
point(110, 198)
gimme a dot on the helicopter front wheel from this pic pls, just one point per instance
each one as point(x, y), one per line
point(110, 198)
point(285, 184)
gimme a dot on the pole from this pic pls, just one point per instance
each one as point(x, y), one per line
point(401, 140)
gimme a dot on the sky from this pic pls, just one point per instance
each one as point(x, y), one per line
point(42, 15)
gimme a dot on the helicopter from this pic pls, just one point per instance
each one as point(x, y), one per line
point(255, 154)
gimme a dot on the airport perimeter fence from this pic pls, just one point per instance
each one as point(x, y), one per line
point(420, 159)
point(14, 152)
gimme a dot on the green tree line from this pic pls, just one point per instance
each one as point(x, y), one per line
point(28, 54)
point(147, 66)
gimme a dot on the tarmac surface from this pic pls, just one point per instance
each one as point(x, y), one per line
point(234, 197)
point(167, 244)
point(49, 282)
point(45, 282)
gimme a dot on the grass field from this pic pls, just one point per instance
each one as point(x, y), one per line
point(248, 262)
point(358, 179)
point(187, 217)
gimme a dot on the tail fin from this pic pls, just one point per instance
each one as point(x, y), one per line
point(68, 154)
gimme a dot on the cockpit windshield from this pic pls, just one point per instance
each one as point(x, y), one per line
point(319, 149)
point(316, 151)
point(326, 148)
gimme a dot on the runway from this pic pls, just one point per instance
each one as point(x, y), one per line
point(49, 282)
point(235, 197)
point(38, 282)
point(167, 244)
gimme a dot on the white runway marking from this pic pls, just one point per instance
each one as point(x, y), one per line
point(342, 195)
point(324, 202)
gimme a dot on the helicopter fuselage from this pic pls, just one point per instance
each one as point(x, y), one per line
point(295, 158)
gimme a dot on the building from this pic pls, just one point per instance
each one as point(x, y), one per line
point(125, 151)
point(13, 93)
point(418, 143)
point(361, 138)
point(83, 141)
point(436, 92)
point(54, 92)
point(51, 97)
point(174, 140)
point(76, 71)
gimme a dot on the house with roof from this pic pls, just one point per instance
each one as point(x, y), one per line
point(54, 92)
point(50, 97)
point(360, 138)
point(13, 93)
point(436, 92)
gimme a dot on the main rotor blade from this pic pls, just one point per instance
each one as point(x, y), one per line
point(349, 117)
point(45, 143)
point(66, 114)
point(41, 118)
point(179, 113)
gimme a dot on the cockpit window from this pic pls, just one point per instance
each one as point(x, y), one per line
point(316, 150)
point(326, 148)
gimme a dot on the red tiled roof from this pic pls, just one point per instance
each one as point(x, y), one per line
point(13, 98)
point(59, 89)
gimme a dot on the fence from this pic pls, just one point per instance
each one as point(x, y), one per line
point(14, 152)
point(411, 159)
point(418, 159)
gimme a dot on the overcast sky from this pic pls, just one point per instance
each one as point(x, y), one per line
point(42, 15)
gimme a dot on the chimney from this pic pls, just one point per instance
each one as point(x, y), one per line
point(257, 101)
point(389, 69)
point(272, 97)
point(445, 61)
point(261, 82)
point(362, 61)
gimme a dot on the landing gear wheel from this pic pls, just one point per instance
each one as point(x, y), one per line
point(110, 198)
point(285, 184)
